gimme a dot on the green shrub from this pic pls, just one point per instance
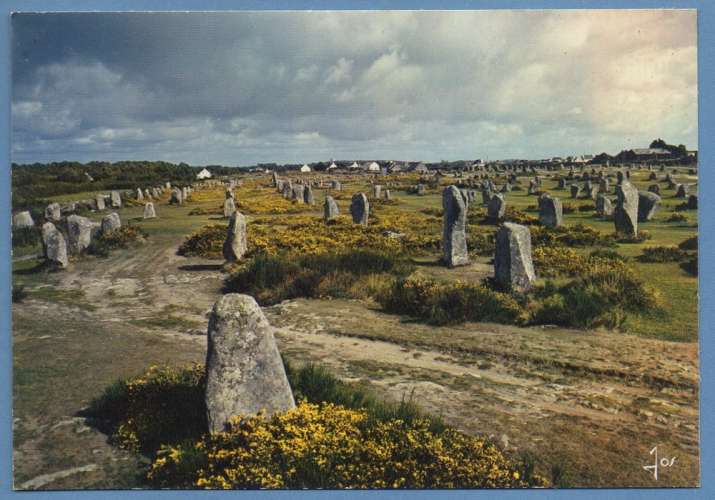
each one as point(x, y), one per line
point(588, 207)
point(26, 237)
point(442, 304)
point(18, 293)
point(677, 218)
point(690, 266)
point(601, 296)
point(274, 278)
point(629, 238)
point(578, 235)
point(689, 244)
point(605, 254)
point(663, 254)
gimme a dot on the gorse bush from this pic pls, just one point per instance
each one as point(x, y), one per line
point(206, 242)
point(663, 254)
point(273, 278)
point(122, 237)
point(629, 238)
point(338, 437)
point(578, 235)
point(328, 446)
point(440, 304)
point(677, 218)
point(689, 244)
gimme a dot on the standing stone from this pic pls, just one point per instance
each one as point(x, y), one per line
point(377, 191)
point(53, 212)
point(513, 267)
point(176, 197)
point(99, 202)
point(654, 188)
point(388, 195)
point(625, 215)
point(603, 185)
point(496, 208)
point(532, 187)
point(575, 190)
point(275, 179)
point(167, 185)
point(486, 197)
point(682, 191)
point(604, 207)
point(330, 208)
point(360, 209)
point(336, 185)
point(185, 193)
point(54, 246)
point(454, 238)
point(287, 190)
point(149, 212)
point(692, 202)
point(420, 189)
point(111, 222)
point(229, 194)
point(229, 207)
point(79, 234)
point(551, 212)
point(653, 176)
point(308, 198)
point(298, 193)
point(116, 199)
point(244, 370)
point(562, 183)
point(236, 245)
point(22, 219)
point(648, 204)
point(140, 195)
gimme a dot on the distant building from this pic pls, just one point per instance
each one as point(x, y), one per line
point(372, 166)
point(204, 174)
point(354, 165)
point(332, 166)
point(305, 168)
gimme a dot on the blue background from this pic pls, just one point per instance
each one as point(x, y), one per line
point(706, 69)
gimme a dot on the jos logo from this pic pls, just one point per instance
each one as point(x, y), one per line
point(664, 462)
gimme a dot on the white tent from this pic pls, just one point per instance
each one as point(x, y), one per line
point(305, 168)
point(354, 165)
point(372, 167)
point(204, 174)
point(332, 166)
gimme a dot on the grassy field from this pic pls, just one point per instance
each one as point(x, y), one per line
point(111, 317)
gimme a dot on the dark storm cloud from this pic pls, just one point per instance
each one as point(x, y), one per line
point(242, 87)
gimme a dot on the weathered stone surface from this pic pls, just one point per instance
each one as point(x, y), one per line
point(575, 190)
point(604, 207)
point(177, 197)
point(562, 183)
point(308, 197)
point(551, 212)
point(336, 185)
point(111, 222)
point(513, 267)
point(377, 191)
point(54, 246)
point(654, 188)
point(287, 190)
point(693, 202)
point(229, 194)
point(603, 185)
point(79, 234)
point(330, 208)
point(648, 204)
point(681, 191)
point(496, 208)
point(22, 219)
point(149, 211)
point(185, 193)
point(420, 189)
point(388, 194)
point(454, 222)
point(297, 193)
point(244, 371)
point(486, 196)
point(140, 195)
point(229, 207)
point(53, 212)
point(360, 209)
point(116, 199)
point(99, 202)
point(236, 245)
point(625, 215)
point(533, 187)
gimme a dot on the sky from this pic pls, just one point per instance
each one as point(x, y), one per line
point(292, 87)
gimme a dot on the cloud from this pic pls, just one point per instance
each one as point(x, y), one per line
point(303, 86)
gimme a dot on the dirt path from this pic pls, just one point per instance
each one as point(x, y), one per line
point(588, 406)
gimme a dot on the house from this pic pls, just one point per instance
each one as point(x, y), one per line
point(371, 166)
point(204, 174)
point(305, 168)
